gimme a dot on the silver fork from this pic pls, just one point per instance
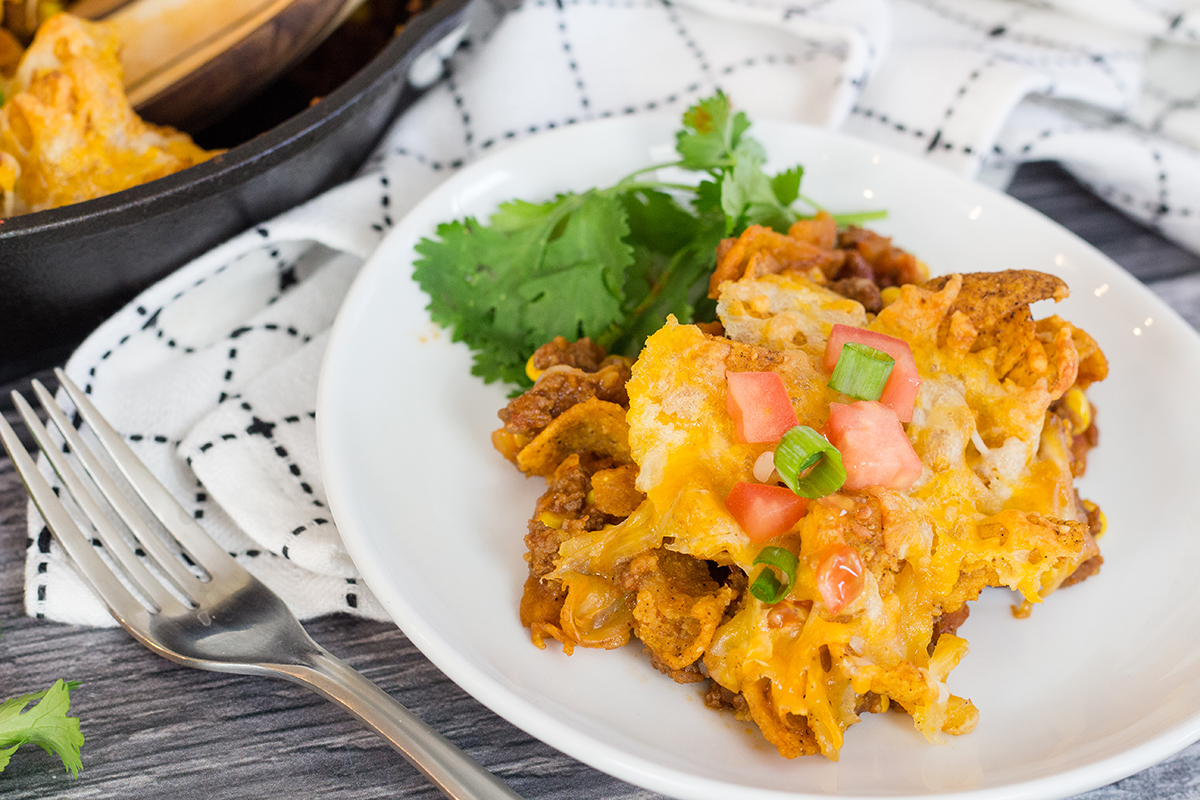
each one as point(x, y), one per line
point(226, 621)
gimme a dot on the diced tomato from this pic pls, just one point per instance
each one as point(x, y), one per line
point(759, 405)
point(900, 391)
point(839, 576)
point(765, 511)
point(875, 450)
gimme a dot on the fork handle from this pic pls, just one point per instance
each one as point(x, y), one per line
point(449, 768)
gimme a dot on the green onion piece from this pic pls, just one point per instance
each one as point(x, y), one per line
point(808, 463)
point(859, 217)
point(766, 587)
point(861, 371)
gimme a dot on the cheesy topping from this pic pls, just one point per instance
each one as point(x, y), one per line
point(995, 505)
point(67, 131)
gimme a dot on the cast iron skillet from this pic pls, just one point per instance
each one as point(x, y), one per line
point(63, 271)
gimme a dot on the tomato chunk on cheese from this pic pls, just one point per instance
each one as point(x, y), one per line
point(900, 391)
point(764, 511)
point(759, 405)
point(875, 450)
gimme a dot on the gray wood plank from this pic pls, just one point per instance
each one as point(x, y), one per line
point(1049, 189)
point(154, 729)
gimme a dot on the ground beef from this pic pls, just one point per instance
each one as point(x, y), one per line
point(689, 674)
point(565, 505)
point(948, 623)
point(1082, 444)
point(890, 266)
point(864, 290)
point(543, 543)
point(1084, 571)
point(719, 698)
point(577, 372)
point(855, 266)
point(583, 354)
point(870, 703)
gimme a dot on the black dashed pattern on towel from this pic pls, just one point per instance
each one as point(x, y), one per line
point(461, 119)
point(266, 429)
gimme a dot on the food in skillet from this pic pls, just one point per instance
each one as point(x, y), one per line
point(795, 503)
point(19, 20)
point(67, 132)
point(73, 136)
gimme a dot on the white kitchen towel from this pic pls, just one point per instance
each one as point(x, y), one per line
point(211, 374)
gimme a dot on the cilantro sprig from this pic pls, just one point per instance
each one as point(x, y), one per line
point(45, 724)
point(610, 263)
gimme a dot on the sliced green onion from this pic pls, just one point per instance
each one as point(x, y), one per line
point(767, 587)
point(861, 371)
point(808, 463)
point(858, 217)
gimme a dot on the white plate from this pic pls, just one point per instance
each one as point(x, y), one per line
point(1099, 683)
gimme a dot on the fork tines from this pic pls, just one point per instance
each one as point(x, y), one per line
point(225, 620)
point(89, 491)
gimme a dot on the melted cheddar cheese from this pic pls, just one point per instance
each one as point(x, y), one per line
point(67, 131)
point(995, 506)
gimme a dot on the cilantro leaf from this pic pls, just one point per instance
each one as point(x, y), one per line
point(786, 185)
point(713, 140)
point(708, 198)
point(585, 263)
point(516, 215)
point(711, 134)
point(679, 288)
point(748, 198)
point(609, 264)
point(674, 250)
point(46, 724)
point(657, 220)
point(536, 272)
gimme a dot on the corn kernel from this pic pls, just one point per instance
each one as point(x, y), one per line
point(890, 295)
point(1081, 410)
point(589, 498)
point(551, 520)
point(530, 370)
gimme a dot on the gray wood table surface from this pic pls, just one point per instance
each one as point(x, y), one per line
point(154, 729)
